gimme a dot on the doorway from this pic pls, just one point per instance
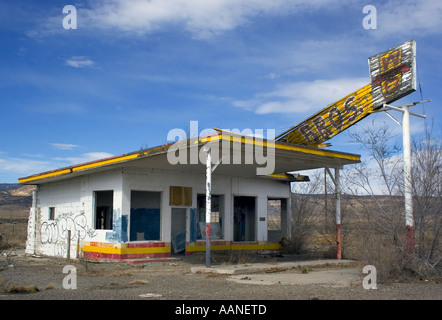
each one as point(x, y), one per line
point(178, 230)
point(276, 219)
point(244, 215)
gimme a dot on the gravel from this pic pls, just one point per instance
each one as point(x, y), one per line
point(173, 281)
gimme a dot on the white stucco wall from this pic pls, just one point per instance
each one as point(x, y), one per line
point(73, 200)
point(74, 210)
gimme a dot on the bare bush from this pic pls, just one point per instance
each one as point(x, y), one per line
point(305, 215)
point(377, 224)
point(427, 195)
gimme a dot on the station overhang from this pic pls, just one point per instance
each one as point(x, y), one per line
point(232, 154)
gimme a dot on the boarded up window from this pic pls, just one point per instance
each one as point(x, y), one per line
point(180, 196)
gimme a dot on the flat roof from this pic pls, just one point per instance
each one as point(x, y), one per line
point(287, 158)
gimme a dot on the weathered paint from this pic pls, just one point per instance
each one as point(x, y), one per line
point(332, 120)
point(95, 164)
point(123, 251)
point(410, 238)
point(338, 242)
point(73, 201)
point(40, 177)
point(199, 246)
point(119, 228)
point(393, 73)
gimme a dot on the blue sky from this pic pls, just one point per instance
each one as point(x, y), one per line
point(134, 70)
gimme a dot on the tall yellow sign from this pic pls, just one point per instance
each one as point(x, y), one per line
point(392, 74)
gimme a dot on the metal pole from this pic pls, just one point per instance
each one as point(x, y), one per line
point(409, 221)
point(325, 199)
point(208, 203)
point(406, 144)
point(338, 215)
point(68, 256)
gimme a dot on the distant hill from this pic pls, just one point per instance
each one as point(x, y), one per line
point(8, 186)
point(15, 199)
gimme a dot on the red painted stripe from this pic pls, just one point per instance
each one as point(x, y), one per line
point(148, 245)
point(145, 255)
point(109, 256)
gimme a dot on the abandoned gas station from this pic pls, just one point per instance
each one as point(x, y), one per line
point(139, 205)
point(205, 193)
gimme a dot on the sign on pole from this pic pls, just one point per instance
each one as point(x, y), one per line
point(393, 73)
point(393, 76)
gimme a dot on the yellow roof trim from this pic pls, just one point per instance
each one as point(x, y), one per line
point(230, 136)
point(286, 146)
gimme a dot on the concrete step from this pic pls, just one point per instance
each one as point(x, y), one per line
point(146, 260)
point(268, 267)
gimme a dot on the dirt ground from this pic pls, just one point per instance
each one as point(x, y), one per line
point(24, 277)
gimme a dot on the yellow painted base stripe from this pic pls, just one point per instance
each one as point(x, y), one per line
point(124, 250)
point(252, 246)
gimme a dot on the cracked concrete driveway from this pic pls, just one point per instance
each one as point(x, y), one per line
point(342, 277)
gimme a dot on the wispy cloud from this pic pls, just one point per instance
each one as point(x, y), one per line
point(302, 96)
point(85, 157)
point(22, 167)
point(16, 167)
point(79, 62)
point(201, 18)
point(416, 17)
point(63, 146)
point(31, 155)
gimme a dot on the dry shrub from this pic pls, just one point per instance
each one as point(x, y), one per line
point(19, 288)
point(376, 251)
point(387, 252)
point(3, 242)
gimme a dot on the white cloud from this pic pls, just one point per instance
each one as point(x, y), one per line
point(22, 167)
point(302, 96)
point(405, 17)
point(11, 168)
point(200, 17)
point(85, 157)
point(31, 155)
point(63, 146)
point(79, 62)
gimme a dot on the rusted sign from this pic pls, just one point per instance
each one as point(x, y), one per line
point(392, 75)
point(332, 120)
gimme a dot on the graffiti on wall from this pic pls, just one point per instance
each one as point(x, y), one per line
point(56, 231)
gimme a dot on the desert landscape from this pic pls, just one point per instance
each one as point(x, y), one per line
point(34, 277)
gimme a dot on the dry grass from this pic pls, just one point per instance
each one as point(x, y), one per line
point(138, 282)
point(19, 288)
point(11, 288)
point(13, 228)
